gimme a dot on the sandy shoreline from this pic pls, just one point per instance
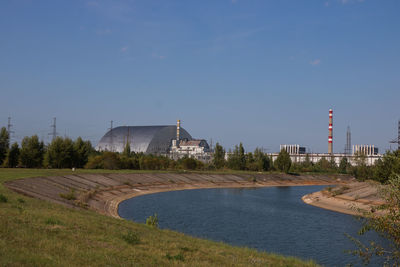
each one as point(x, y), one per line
point(353, 199)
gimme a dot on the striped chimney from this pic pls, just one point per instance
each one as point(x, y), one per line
point(330, 137)
point(178, 127)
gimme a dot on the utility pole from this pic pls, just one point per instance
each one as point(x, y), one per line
point(54, 132)
point(398, 137)
point(347, 148)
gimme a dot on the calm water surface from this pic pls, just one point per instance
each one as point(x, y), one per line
point(272, 219)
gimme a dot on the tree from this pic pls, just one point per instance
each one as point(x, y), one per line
point(237, 159)
point(60, 153)
point(361, 171)
point(4, 144)
point(107, 160)
point(323, 165)
point(13, 156)
point(82, 151)
point(32, 151)
point(189, 163)
point(242, 157)
point(127, 150)
point(262, 161)
point(307, 164)
point(332, 164)
point(388, 166)
point(250, 162)
point(283, 161)
point(219, 156)
point(344, 165)
point(386, 223)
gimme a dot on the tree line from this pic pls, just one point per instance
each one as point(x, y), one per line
point(382, 171)
point(33, 153)
point(68, 153)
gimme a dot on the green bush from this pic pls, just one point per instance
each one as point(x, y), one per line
point(178, 257)
point(189, 163)
point(3, 198)
point(69, 196)
point(53, 221)
point(131, 238)
point(152, 221)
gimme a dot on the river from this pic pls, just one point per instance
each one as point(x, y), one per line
point(272, 219)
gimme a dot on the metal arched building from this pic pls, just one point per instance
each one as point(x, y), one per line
point(146, 139)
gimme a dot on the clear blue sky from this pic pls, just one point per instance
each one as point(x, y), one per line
point(254, 71)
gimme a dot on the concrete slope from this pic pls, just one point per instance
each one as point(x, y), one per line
point(354, 198)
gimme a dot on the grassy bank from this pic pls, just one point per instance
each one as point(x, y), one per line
point(35, 232)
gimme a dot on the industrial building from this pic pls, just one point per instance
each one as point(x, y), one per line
point(298, 153)
point(168, 140)
point(367, 150)
point(147, 139)
point(337, 157)
point(293, 149)
point(197, 149)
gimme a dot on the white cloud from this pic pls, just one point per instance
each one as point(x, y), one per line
point(315, 62)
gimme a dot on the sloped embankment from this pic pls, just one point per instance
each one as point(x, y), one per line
point(353, 198)
point(104, 192)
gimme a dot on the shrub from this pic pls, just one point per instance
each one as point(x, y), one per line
point(178, 257)
point(131, 238)
point(70, 195)
point(3, 198)
point(152, 221)
point(53, 221)
point(384, 220)
point(107, 160)
point(189, 163)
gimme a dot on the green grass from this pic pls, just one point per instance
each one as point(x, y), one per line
point(39, 233)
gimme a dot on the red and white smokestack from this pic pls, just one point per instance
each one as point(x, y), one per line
point(330, 137)
point(178, 127)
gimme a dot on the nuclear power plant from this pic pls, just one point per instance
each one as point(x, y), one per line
point(298, 153)
point(175, 142)
point(165, 140)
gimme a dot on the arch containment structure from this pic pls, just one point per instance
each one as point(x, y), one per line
point(146, 139)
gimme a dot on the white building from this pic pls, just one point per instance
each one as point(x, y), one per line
point(197, 149)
